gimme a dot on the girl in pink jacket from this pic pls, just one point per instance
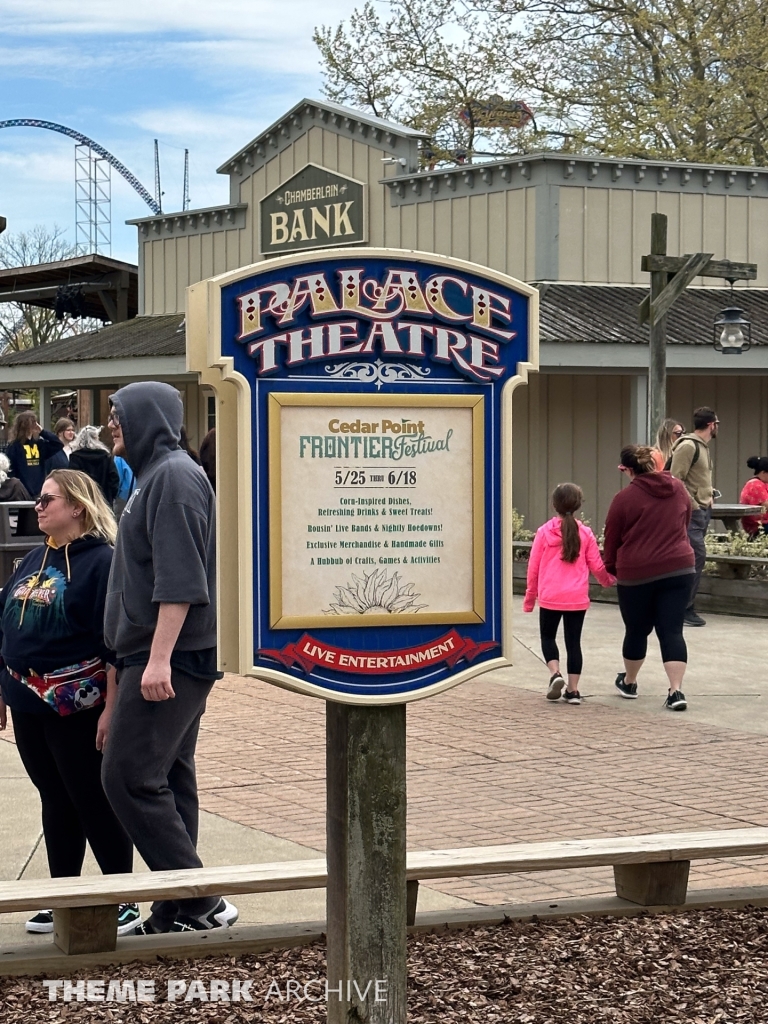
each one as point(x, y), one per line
point(564, 553)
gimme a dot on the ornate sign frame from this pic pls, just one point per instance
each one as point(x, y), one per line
point(364, 329)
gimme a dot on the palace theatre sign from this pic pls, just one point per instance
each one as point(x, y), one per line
point(315, 209)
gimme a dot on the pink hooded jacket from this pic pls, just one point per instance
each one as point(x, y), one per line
point(558, 585)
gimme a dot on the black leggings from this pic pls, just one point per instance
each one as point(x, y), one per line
point(60, 756)
point(658, 605)
point(549, 621)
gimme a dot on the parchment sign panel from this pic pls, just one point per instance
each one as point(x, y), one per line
point(376, 511)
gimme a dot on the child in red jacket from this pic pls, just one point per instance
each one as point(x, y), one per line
point(564, 553)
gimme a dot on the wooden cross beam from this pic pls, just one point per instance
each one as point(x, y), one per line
point(681, 268)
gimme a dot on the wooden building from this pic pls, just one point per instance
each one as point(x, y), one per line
point(576, 226)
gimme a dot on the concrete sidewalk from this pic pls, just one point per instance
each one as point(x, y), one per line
point(488, 762)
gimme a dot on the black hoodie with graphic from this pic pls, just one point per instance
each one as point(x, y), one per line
point(51, 615)
point(165, 551)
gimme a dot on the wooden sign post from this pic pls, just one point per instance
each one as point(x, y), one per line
point(364, 458)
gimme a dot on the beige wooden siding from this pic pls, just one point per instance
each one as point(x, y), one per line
point(572, 427)
point(741, 404)
point(568, 428)
point(605, 232)
point(494, 230)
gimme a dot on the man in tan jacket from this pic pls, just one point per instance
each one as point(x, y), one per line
point(692, 463)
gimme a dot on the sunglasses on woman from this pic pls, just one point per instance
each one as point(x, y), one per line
point(45, 500)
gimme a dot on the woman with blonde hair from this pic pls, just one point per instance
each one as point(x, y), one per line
point(667, 436)
point(59, 680)
point(647, 549)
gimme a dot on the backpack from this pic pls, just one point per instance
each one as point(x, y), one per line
point(696, 450)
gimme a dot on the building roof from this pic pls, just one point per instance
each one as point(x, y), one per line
point(608, 314)
point(38, 284)
point(582, 170)
point(143, 336)
point(326, 111)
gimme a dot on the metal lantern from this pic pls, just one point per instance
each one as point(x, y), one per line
point(733, 332)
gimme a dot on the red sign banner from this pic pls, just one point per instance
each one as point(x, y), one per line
point(309, 653)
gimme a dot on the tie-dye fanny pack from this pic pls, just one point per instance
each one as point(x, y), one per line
point(67, 690)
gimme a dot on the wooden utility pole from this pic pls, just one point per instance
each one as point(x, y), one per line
point(657, 367)
point(670, 276)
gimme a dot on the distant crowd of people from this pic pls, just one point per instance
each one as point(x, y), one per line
point(34, 452)
point(654, 553)
point(108, 642)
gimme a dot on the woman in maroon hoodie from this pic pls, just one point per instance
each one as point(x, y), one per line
point(647, 549)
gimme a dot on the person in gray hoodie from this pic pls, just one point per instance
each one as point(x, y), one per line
point(160, 617)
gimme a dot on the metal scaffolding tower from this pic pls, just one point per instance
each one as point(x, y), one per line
point(93, 202)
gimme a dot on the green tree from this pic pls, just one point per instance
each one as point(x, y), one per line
point(666, 79)
point(421, 66)
point(24, 326)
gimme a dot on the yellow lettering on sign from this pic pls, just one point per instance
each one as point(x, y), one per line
point(341, 218)
point(279, 228)
point(320, 221)
point(299, 228)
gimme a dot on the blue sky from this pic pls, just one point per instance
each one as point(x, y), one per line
point(207, 75)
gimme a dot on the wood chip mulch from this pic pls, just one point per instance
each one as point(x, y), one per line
point(698, 967)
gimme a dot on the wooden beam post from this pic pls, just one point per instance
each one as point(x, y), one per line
point(653, 884)
point(85, 929)
point(657, 374)
point(366, 827)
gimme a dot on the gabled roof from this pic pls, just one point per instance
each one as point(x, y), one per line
point(38, 284)
point(143, 336)
point(325, 112)
point(608, 314)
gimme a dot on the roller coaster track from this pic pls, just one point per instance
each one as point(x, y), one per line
point(133, 181)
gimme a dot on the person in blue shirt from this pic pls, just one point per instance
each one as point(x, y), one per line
point(127, 485)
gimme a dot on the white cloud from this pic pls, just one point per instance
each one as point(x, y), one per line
point(245, 19)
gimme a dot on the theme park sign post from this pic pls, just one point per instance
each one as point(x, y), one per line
point(364, 481)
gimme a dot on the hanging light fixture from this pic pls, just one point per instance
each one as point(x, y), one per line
point(732, 330)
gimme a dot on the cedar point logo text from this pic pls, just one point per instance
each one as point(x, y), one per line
point(379, 312)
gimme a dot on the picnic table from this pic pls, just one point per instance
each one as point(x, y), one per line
point(731, 515)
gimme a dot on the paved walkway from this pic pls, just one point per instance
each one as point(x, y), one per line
point(488, 762)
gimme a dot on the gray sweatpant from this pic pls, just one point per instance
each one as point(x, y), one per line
point(148, 773)
point(697, 529)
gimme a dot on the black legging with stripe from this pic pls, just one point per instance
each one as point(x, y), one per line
point(549, 621)
point(659, 605)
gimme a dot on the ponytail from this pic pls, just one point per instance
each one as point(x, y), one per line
point(567, 499)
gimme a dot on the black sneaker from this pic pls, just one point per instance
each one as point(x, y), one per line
point(692, 618)
point(556, 684)
point(128, 918)
point(146, 927)
point(222, 916)
point(572, 697)
point(676, 701)
point(628, 690)
point(41, 923)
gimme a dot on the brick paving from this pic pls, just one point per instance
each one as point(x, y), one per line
point(489, 764)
